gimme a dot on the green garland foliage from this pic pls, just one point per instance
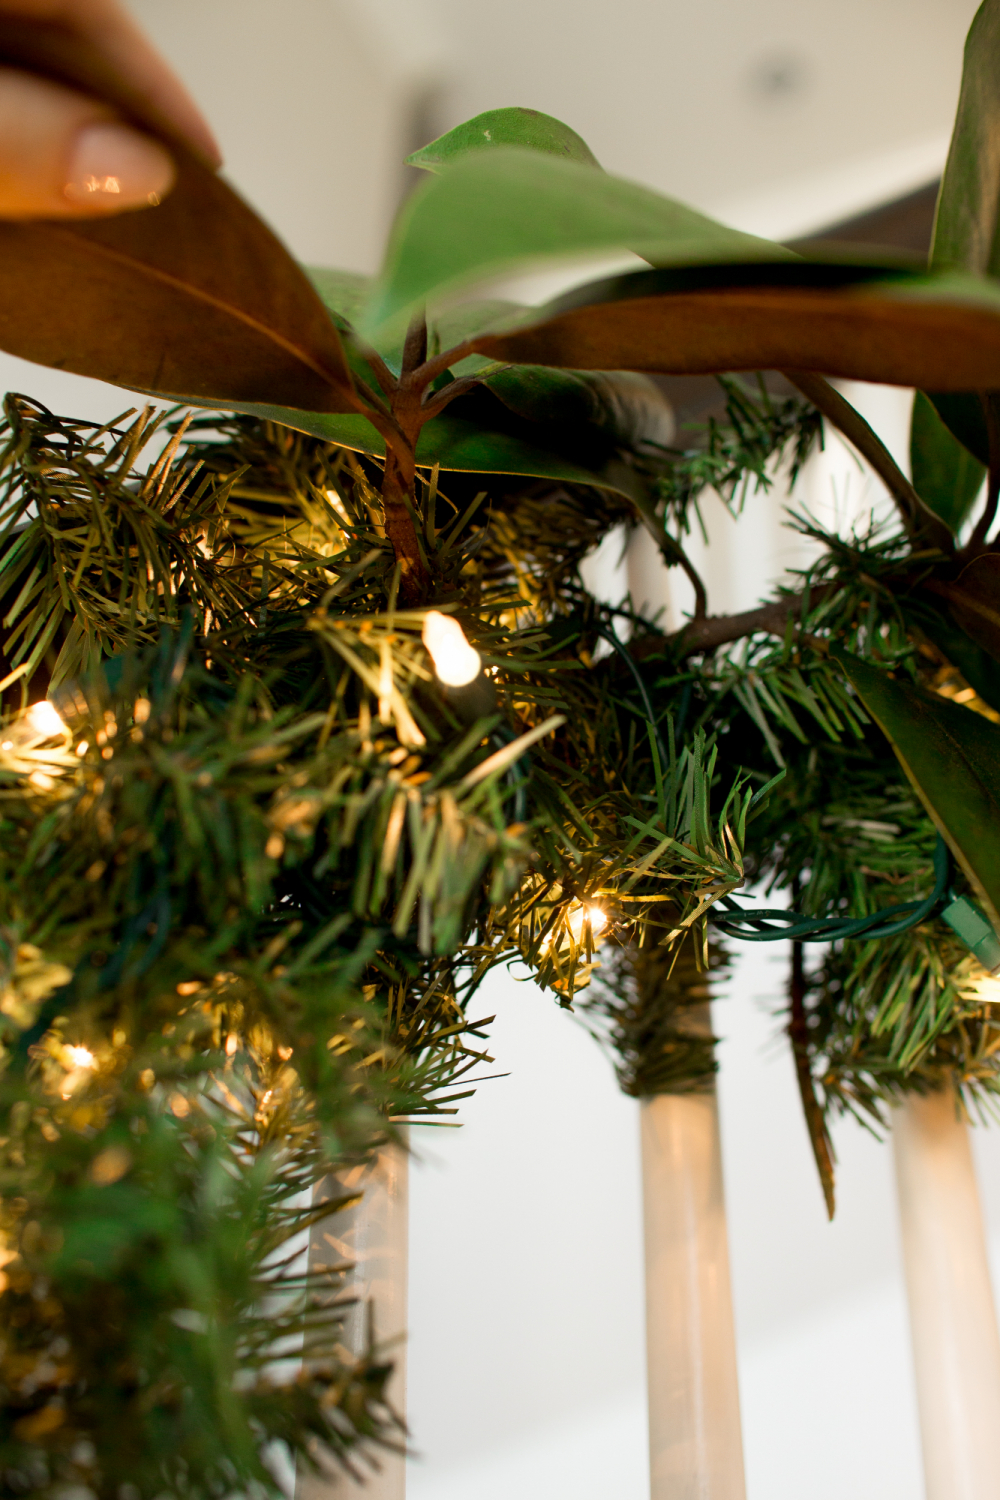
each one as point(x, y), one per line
point(844, 833)
point(739, 453)
point(649, 1009)
point(151, 1289)
point(248, 892)
point(249, 889)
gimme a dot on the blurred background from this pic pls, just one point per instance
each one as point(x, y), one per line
point(783, 117)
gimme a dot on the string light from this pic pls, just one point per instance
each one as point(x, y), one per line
point(583, 916)
point(456, 663)
point(81, 1057)
point(44, 720)
point(987, 989)
point(79, 1061)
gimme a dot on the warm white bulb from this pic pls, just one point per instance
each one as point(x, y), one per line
point(81, 1057)
point(44, 720)
point(455, 661)
point(580, 916)
point(987, 989)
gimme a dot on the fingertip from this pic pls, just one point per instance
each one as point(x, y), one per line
point(113, 167)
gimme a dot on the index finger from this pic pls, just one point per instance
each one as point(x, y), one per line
point(130, 56)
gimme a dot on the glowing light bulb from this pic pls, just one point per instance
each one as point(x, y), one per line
point(44, 720)
point(580, 916)
point(81, 1057)
point(455, 661)
point(987, 989)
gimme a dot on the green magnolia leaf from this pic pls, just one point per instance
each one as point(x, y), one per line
point(343, 292)
point(952, 757)
point(453, 325)
point(965, 229)
point(895, 326)
point(945, 475)
point(193, 298)
point(629, 408)
point(493, 210)
point(962, 413)
point(505, 127)
point(455, 443)
point(980, 670)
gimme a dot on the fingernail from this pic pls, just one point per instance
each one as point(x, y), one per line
point(113, 166)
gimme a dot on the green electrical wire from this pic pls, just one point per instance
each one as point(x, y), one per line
point(750, 926)
point(758, 926)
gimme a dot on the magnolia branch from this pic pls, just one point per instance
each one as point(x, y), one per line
point(915, 515)
point(767, 619)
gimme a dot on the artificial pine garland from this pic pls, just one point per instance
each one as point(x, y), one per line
point(255, 869)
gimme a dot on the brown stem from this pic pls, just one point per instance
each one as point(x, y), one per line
point(915, 514)
point(415, 347)
point(437, 403)
point(798, 1033)
point(430, 370)
point(766, 619)
point(673, 552)
point(386, 379)
point(407, 418)
point(398, 483)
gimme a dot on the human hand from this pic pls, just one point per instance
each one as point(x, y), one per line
point(63, 154)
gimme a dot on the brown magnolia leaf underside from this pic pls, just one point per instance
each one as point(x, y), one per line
point(864, 334)
point(975, 601)
point(196, 297)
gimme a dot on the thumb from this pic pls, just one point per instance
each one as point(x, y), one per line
point(64, 155)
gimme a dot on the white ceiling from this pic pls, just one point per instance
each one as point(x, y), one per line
point(779, 113)
point(710, 100)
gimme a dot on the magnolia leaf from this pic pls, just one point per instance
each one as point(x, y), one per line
point(969, 201)
point(945, 475)
point(456, 444)
point(452, 326)
point(628, 408)
point(963, 415)
point(968, 207)
point(896, 327)
point(980, 670)
point(952, 757)
point(343, 292)
point(493, 210)
point(975, 601)
point(194, 298)
point(505, 127)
